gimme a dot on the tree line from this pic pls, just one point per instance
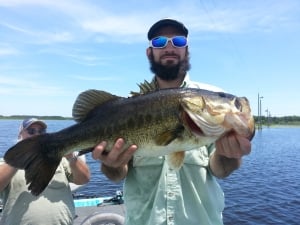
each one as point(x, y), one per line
point(22, 117)
point(264, 120)
point(272, 120)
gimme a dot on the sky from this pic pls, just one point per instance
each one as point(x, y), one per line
point(50, 51)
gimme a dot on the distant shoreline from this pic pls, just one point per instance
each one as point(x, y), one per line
point(21, 117)
point(283, 122)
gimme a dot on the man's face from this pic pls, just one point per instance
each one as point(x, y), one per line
point(169, 62)
point(33, 130)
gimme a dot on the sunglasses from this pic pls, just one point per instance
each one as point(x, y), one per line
point(162, 41)
point(33, 131)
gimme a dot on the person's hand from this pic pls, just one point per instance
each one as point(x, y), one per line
point(228, 154)
point(233, 146)
point(117, 157)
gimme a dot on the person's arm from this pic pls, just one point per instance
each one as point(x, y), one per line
point(114, 174)
point(114, 164)
point(228, 154)
point(79, 169)
point(7, 172)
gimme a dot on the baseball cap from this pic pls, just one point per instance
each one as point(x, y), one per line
point(28, 122)
point(167, 22)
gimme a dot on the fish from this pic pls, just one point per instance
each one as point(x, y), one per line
point(164, 122)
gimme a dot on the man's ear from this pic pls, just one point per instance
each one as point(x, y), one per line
point(149, 52)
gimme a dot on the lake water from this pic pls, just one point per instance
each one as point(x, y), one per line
point(265, 190)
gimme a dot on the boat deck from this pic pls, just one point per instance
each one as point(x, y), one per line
point(90, 209)
point(83, 212)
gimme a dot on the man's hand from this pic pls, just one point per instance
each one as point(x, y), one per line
point(114, 162)
point(228, 155)
point(233, 146)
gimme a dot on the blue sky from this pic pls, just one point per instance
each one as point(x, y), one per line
point(50, 51)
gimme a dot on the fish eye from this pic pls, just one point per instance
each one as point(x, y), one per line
point(238, 104)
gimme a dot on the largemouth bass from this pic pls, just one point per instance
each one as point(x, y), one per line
point(164, 122)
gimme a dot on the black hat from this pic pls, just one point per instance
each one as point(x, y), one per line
point(167, 22)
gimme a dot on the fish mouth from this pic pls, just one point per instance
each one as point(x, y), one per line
point(199, 126)
point(207, 125)
point(206, 118)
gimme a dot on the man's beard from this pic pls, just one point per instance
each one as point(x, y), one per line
point(169, 72)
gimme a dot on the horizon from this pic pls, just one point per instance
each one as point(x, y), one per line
point(70, 117)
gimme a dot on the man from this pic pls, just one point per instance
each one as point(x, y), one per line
point(55, 204)
point(153, 192)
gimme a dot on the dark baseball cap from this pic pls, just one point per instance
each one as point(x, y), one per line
point(164, 23)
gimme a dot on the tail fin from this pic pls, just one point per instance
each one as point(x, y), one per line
point(31, 155)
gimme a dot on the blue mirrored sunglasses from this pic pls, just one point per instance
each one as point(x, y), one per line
point(161, 41)
point(33, 131)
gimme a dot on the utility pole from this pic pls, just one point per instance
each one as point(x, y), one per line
point(259, 112)
point(268, 117)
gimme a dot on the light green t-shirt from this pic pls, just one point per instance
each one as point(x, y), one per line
point(155, 194)
point(53, 206)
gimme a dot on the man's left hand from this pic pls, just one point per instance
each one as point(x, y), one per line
point(233, 146)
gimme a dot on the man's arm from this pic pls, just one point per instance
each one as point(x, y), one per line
point(228, 154)
point(7, 172)
point(79, 169)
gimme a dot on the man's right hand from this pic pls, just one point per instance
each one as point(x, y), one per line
point(114, 162)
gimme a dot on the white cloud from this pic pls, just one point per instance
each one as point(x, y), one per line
point(7, 51)
point(28, 87)
point(82, 19)
point(89, 78)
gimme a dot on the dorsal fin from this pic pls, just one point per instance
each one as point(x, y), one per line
point(145, 88)
point(87, 101)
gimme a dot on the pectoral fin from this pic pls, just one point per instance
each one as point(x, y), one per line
point(175, 160)
point(168, 136)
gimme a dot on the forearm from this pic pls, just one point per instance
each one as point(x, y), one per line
point(114, 174)
point(80, 171)
point(222, 166)
point(7, 172)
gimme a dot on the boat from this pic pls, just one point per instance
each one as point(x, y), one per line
point(94, 209)
point(99, 210)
